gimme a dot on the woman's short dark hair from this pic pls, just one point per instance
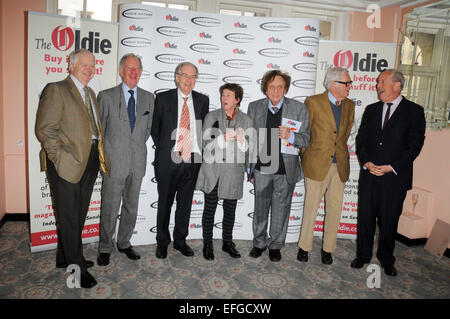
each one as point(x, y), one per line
point(270, 75)
point(236, 88)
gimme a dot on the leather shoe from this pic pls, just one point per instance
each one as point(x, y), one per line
point(302, 255)
point(130, 252)
point(256, 252)
point(161, 251)
point(103, 259)
point(89, 264)
point(358, 263)
point(87, 281)
point(184, 249)
point(326, 258)
point(274, 255)
point(390, 270)
point(230, 248)
point(208, 250)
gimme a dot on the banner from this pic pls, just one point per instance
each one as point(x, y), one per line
point(364, 62)
point(226, 49)
point(51, 38)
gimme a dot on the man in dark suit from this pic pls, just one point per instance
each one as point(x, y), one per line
point(390, 137)
point(176, 133)
point(69, 129)
point(126, 112)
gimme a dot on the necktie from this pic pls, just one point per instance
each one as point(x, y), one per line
point(87, 103)
point(131, 110)
point(275, 110)
point(388, 113)
point(184, 136)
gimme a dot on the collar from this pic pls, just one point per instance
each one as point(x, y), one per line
point(395, 102)
point(279, 105)
point(333, 99)
point(77, 83)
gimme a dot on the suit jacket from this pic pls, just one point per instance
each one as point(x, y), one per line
point(228, 164)
point(126, 150)
point(165, 122)
point(397, 145)
point(63, 128)
point(324, 143)
point(293, 110)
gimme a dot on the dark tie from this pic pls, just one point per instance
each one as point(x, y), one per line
point(275, 110)
point(131, 110)
point(388, 113)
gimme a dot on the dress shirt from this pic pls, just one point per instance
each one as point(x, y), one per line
point(127, 95)
point(190, 104)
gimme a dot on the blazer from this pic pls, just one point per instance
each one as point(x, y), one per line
point(293, 110)
point(228, 164)
point(325, 141)
point(62, 126)
point(397, 145)
point(165, 122)
point(126, 150)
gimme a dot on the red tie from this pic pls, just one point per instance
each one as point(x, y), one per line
point(184, 136)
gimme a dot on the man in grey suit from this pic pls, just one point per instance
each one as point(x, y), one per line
point(127, 113)
point(275, 170)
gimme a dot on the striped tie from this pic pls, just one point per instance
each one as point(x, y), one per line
point(184, 136)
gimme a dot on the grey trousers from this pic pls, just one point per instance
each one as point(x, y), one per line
point(272, 193)
point(115, 191)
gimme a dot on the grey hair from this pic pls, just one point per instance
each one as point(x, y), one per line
point(333, 74)
point(396, 76)
point(179, 66)
point(73, 56)
point(125, 57)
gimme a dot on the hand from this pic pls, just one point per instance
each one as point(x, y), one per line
point(230, 135)
point(378, 170)
point(240, 135)
point(284, 132)
point(252, 180)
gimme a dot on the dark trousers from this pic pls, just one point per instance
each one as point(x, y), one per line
point(71, 203)
point(377, 202)
point(229, 210)
point(177, 182)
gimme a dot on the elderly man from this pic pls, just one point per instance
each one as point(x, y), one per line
point(127, 113)
point(69, 129)
point(390, 137)
point(276, 170)
point(179, 114)
point(325, 161)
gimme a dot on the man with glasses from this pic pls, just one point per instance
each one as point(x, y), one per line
point(325, 161)
point(176, 133)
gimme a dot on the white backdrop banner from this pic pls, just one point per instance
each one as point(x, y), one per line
point(226, 49)
point(50, 40)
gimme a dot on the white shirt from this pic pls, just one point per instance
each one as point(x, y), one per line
point(80, 88)
point(190, 104)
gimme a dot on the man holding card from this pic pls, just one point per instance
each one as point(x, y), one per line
point(325, 161)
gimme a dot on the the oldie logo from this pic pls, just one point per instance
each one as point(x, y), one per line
point(205, 35)
point(171, 31)
point(165, 76)
point(274, 52)
point(307, 54)
point(204, 48)
point(170, 45)
point(170, 58)
point(304, 84)
point(204, 61)
point(170, 17)
point(305, 67)
point(238, 79)
point(239, 51)
point(310, 28)
point(367, 64)
point(136, 42)
point(240, 37)
point(238, 64)
point(273, 66)
point(308, 41)
point(274, 40)
point(240, 25)
point(207, 78)
point(137, 14)
point(133, 27)
point(64, 39)
point(206, 21)
point(275, 26)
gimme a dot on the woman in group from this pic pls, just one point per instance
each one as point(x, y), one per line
point(226, 148)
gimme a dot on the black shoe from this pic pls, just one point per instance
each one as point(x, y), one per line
point(87, 281)
point(184, 249)
point(230, 248)
point(161, 251)
point(208, 250)
point(89, 264)
point(130, 252)
point(103, 259)
point(358, 263)
point(274, 254)
point(256, 252)
point(302, 255)
point(326, 258)
point(390, 270)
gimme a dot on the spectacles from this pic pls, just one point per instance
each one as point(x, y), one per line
point(346, 83)
point(187, 76)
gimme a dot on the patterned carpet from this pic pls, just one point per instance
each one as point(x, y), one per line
point(29, 276)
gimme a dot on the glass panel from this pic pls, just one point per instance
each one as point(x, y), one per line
point(424, 49)
point(71, 8)
point(179, 6)
point(159, 4)
point(99, 9)
point(325, 30)
point(230, 12)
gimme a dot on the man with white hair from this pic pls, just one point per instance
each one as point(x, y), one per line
point(325, 161)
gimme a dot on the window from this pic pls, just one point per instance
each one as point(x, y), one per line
point(168, 5)
point(241, 13)
point(91, 9)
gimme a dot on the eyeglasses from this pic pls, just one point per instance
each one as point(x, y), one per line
point(346, 83)
point(187, 76)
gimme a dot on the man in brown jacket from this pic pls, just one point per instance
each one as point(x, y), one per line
point(69, 128)
point(325, 161)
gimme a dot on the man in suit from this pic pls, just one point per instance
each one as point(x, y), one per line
point(176, 133)
point(69, 129)
point(390, 137)
point(275, 173)
point(325, 161)
point(126, 112)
